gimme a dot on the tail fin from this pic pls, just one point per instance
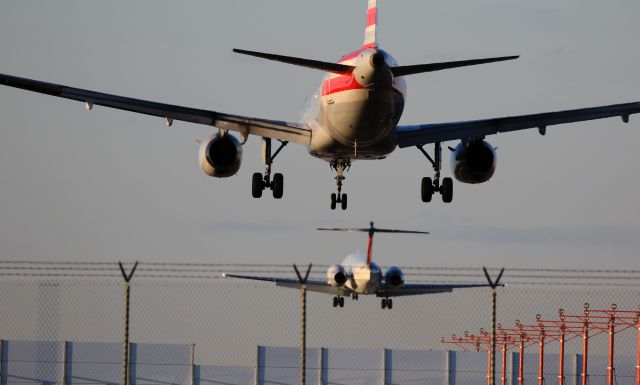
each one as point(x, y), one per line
point(370, 37)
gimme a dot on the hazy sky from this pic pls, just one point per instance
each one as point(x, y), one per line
point(107, 184)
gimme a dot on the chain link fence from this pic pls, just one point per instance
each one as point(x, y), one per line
point(63, 323)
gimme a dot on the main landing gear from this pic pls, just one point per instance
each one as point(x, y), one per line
point(429, 187)
point(340, 166)
point(386, 303)
point(259, 182)
point(338, 301)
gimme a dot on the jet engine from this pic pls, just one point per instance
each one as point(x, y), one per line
point(473, 161)
point(394, 276)
point(336, 276)
point(220, 155)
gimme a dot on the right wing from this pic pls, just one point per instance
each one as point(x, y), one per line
point(417, 289)
point(284, 131)
point(420, 134)
point(317, 286)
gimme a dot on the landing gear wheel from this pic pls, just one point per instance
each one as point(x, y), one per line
point(277, 185)
point(256, 185)
point(334, 200)
point(389, 304)
point(335, 301)
point(447, 190)
point(343, 202)
point(341, 301)
point(383, 303)
point(429, 186)
point(427, 189)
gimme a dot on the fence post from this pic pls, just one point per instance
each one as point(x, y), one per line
point(492, 353)
point(323, 367)
point(193, 364)
point(450, 368)
point(303, 323)
point(66, 368)
point(3, 359)
point(260, 365)
point(576, 369)
point(127, 347)
point(514, 367)
point(387, 367)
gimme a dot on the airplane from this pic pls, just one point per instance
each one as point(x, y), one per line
point(359, 275)
point(353, 115)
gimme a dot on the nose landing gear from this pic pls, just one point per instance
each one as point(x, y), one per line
point(340, 166)
point(429, 187)
point(338, 301)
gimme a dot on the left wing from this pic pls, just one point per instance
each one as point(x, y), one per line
point(317, 286)
point(417, 289)
point(441, 132)
point(290, 132)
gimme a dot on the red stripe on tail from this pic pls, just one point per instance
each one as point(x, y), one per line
point(372, 16)
point(369, 250)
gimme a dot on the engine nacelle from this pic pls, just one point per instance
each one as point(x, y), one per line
point(336, 276)
point(473, 161)
point(394, 276)
point(220, 155)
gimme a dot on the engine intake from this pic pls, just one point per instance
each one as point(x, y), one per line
point(394, 276)
point(336, 276)
point(473, 161)
point(220, 155)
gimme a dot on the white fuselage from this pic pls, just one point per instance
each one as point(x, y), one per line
point(362, 279)
point(353, 116)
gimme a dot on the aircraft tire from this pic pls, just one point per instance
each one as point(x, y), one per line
point(383, 303)
point(447, 190)
point(389, 304)
point(256, 185)
point(333, 201)
point(278, 185)
point(341, 301)
point(343, 202)
point(426, 191)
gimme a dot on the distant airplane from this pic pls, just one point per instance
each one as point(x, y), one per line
point(353, 115)
point(358, 274)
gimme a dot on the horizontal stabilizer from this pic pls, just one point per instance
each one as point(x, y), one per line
point(420, 68)
point(316, 64)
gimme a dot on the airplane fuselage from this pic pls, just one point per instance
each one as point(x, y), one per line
point(354, 115)
point(363, 279)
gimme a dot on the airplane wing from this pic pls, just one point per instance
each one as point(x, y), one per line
point(420, 134)
point(290, 132)
point(317, 286)
point(417, 289)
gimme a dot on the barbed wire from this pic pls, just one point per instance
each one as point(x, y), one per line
point(211, 271)
point(183, 265)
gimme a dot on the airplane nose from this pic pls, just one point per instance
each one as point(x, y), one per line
point(377, 60)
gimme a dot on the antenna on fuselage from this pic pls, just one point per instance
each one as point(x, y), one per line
point(371, 230)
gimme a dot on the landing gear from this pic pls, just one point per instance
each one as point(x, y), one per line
point(429, 186)
point(338, 301)
point(340, 166)
point(261, 182)
point(386, 303)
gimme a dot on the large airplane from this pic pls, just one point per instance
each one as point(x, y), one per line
point(353, 115)
point(358, 274)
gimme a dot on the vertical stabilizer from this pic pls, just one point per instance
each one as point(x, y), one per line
point(370, 37)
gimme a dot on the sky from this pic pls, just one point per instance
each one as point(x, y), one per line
point(110, 185)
